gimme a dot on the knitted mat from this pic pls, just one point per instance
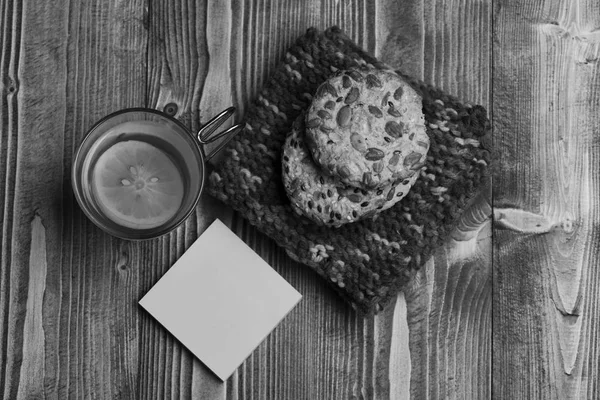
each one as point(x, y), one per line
point(369, 261)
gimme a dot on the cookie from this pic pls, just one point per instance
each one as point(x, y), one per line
point(366, 127)
point(323, 198)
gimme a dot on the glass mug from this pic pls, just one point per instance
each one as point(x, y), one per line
point(139, 173)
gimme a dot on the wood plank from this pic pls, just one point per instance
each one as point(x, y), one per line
point(10, 337)
point(64, 65)
point(546, 102)
point(448, 43)
point(32, 121)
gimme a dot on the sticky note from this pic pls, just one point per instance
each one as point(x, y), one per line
point(220, 299)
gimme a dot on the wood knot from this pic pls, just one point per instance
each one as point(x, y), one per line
point(567, 225)
point(123, 261)
point(170, 109)
point(10, 85)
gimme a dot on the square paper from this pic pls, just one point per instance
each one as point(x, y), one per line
point(220, 299)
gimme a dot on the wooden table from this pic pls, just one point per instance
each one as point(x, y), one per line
point(513, 317)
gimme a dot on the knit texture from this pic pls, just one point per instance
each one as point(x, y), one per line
point(369, 261)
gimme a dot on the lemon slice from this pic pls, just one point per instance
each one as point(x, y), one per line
point(137, 185)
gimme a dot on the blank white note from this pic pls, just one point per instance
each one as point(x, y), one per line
point(220, 299)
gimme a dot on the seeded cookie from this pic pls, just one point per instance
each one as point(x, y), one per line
point(366, 127)
point(323, 198)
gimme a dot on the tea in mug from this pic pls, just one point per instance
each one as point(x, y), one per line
point(135, 182)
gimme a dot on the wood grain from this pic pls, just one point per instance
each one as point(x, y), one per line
point(546, 102)
point(31, 382)
point(64, 66)
point(31, 129)
point(449, 302)
point(96, 278)
point(178, 64)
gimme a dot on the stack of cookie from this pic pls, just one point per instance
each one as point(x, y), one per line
point(357, 150)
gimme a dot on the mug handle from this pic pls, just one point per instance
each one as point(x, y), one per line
point(205, 134)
